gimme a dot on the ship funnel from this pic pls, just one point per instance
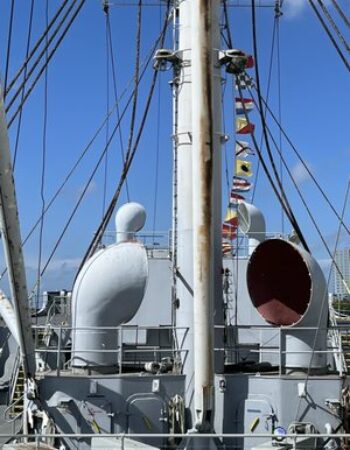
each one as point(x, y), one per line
point(289, 290)
point(252, 224)
point(129, 219)
point(107, 293)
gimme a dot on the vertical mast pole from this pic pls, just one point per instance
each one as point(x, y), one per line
point(12, 243)
point(205, 155)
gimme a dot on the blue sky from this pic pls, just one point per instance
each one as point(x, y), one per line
point(315, 98)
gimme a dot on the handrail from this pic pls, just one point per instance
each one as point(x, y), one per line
point(336, 340)
point(177, 435)
point(139, 348)
point(14, 375)
point(10, 407)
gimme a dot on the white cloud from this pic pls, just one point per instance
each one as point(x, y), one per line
point(300, 174)
point(55, 264)
point(293, 8)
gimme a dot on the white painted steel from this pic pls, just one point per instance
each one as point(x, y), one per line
point(184, 198)
point(299, 344)
point(108, 292)
point(252, 224)
point(316, 315)
point(205, 212)
point(12, 242)
point(8, 314)
point(130, 218)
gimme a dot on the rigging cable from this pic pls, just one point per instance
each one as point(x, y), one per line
point(269, 80)
point(333, 25)
point(297, 153)
point(335, 45)
point(19, 124)
point(51, 54)
point(227, 26)
point(136, 77)
point(341, 13)
point(324, 303)
point(106, 12)
point(283, 196)
point(43, 168)
point(76, 164)
point(42, 55)
point(302, 198)
point(156, 175)
point(9, 41)
point(42, 37)
point(229, 42)
point(278, 14)
point(129, 158)
point(263, 163)
point(115, 89)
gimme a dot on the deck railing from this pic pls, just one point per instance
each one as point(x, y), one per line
point(136, 345)
point(222, 440)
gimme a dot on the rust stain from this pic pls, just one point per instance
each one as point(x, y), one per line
point(206, 168)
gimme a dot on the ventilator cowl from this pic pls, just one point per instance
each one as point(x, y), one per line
point(288, 288)
point(107, 293)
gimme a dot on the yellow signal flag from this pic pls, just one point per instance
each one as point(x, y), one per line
point(243, 126)
point(243, 168)
point(231, 217)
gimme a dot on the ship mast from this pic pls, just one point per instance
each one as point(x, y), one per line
point(199, 258)
point(12, 243)
point(203, 152)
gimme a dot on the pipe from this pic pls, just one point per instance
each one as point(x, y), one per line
point(129, 219)
point(252, 224)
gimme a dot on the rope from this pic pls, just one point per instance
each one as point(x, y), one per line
point(285, 204)
point(43, 168)
point(341, 13)
point(329, 34)
point(156, 175)
point(334, 26)
point(263, 164)
point(106, 11)
point(136, 78)
point(30, 26)
point(302, 198)
point(114, 77)
point(42, 54)
point(9, 41)
point(70, 173)
point(36, 46)
point(269, 79)
point(277, 17)
point(297, 153)
point(41, 71)
point(325, 301)
point(227, 25)
point(129, 158)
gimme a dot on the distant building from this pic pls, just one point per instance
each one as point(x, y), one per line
point(342, 259)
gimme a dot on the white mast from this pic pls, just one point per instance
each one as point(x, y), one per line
point(199, 257)
point(11, 239)
point(205, 194)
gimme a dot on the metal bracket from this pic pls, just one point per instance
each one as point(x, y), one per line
point(164, 59)
point(235, 60)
